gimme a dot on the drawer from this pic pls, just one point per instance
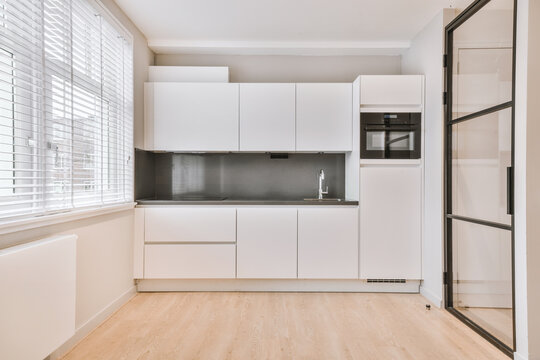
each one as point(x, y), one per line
point(190, 261)
point(190, 225)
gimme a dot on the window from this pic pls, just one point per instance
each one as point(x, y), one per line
point(66, 107)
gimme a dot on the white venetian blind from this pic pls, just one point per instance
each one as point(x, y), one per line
point(76, 146)
point(21, 107)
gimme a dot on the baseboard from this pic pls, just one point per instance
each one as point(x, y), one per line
point(431, 296)
point(273, 285)
point(85, 329)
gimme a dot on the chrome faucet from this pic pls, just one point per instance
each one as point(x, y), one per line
point(321, 179)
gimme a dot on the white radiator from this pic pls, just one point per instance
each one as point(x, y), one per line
point(37, 297)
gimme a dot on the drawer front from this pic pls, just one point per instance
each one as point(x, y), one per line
point(170, 225)
point(190, 261)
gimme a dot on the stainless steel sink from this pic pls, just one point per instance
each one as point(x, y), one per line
point(324, 199)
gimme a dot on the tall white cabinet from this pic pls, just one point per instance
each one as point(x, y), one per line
point(391, 190)
point(324, 117)
point(191, 116)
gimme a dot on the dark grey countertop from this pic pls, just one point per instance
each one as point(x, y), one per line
point(147, 202)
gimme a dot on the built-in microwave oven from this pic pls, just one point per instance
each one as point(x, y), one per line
point(390, 135)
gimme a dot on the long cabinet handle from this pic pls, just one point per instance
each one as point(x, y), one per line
point(509, 191)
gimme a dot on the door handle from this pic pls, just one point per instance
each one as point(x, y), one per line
point(509, 191)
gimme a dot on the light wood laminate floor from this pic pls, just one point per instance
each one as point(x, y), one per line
point(282, 326)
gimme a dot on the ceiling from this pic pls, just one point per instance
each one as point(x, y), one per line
point(305, 27)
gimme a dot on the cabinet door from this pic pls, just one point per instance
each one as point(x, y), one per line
point(192, 225)
point(195, 116)
point(328, 243)
point(390, 222)
point(189, 261)
point(324, 117)
point(267, 243)
point(391, 89)
point(267, 117)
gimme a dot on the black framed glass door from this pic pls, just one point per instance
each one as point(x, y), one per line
point(479, 159)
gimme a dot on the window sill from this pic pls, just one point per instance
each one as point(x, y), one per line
point(47, 220)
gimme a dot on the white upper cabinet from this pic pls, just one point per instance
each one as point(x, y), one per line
point(267, 117)
point(191, 116)
point(324, 117)
point(328, 243)
point(391, 222)
point(391, 90)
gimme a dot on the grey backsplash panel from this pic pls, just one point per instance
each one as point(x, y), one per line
point(244, 176)
point(145, 179)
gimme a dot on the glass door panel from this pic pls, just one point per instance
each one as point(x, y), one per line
point(482, 59)
point(481, 154)
point(482, 275)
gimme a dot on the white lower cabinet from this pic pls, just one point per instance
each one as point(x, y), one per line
point(189, 261)
point(328, 243)
point(391, 222)
point(249, 243)
point(267, 243)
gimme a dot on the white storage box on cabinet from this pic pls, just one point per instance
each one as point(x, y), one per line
point(267, 117)
point(324, 117)
point(328, 243)
point(391, 90)
point(191, 116)
point(189, 261)
point(390, 222)
point(181, 225)
point(267, 243)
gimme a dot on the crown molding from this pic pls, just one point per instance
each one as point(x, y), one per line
point(305, 48)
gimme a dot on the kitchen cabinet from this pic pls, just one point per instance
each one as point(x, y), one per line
point(328, 243)
point(267, 243)
point(390, 222)
point(192, 225)
point(189, 261)
point(191, 116)
point(324, 117)
point(391, 90)
point(267, 117)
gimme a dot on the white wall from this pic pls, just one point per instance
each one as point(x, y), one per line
point(104, 278)
point(274, 68)
point(104, 258)
point(527, 180)
point(425, 57)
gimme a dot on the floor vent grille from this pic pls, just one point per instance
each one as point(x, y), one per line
point(387, 281)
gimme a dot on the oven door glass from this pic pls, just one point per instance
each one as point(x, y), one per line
point(390, 141)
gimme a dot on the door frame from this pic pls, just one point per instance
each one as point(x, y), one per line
point(470, 11)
